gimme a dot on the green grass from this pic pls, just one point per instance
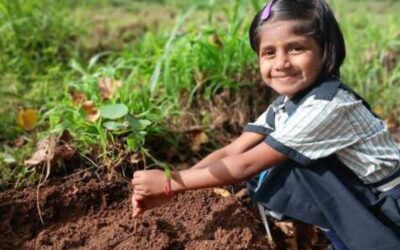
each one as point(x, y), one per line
point(182, 49)
point(372, 40)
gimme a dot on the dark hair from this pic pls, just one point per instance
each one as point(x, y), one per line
point(317, 21)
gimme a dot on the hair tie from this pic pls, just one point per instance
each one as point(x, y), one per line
point(267, 11)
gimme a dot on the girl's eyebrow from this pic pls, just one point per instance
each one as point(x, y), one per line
point(296, 41)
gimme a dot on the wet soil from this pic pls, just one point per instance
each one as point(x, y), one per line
point(91, 213)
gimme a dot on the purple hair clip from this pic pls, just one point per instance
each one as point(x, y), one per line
point(267, 11)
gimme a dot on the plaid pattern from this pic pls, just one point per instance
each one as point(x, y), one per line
point(330, 119)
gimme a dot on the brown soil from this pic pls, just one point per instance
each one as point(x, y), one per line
point(88, 213)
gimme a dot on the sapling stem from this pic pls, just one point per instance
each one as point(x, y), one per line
point(167, 168)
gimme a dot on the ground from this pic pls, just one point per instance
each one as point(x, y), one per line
point(83, 211)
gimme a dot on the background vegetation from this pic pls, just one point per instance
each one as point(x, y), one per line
point(121, 75)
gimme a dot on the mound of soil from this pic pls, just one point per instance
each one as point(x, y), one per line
point(90, 213)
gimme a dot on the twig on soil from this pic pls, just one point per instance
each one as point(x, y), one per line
point(49, 156)
point(77, 173)
point(89, 160)
point(37, 199)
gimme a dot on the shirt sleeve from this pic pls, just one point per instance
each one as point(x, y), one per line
point(315, 130)
point(265, 123)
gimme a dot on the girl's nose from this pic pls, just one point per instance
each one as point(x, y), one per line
point(282, 61)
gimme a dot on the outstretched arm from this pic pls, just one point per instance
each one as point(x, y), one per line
point(231, 169)
point(155, 179)
point(241, 144)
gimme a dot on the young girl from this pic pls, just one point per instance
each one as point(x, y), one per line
point(331, 162)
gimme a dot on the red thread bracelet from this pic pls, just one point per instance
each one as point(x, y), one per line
point(168, 188)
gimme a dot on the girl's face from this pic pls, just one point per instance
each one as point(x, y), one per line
point(289, 62)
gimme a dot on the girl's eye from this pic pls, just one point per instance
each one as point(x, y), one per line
point(269, 53)
point(297, 49)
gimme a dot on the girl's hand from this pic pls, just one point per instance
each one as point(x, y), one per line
point(136, 205)
point(141, 203)
point(149, 182)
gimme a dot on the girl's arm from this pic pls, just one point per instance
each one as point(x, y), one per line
point(229, 170)
point(140, 203)
point(244, 142)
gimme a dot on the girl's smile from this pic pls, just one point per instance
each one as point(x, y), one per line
point(289, 62)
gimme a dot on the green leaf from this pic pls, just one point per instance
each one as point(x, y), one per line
point(134, 123)
point(113, 111)
point(135, 142)
point(145, 123)
point(132, 143)
point(76, 66)
point(95, 58)
point(9, 159)
point(111, 125)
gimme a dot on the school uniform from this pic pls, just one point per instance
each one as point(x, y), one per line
point(344, 170)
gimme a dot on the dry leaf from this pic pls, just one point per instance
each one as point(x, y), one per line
point(379, 110)
point(222, 192)
point(50, 150)
point(27, 119)
point(93, 117)
point(44, 151)
point(390, 59)
point(215, 40)
point(298, 235)
point(108, 87)
point(19, 142)
point(65, 151)
point(78, 97)
point(241, 194)
point(199, 138)
point(287, 227)
point(92, 113)
point(198, 78)
point(135, 158)
point(220, 117)
point(390, 122)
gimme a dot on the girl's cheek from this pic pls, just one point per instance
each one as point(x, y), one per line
point(265, 67)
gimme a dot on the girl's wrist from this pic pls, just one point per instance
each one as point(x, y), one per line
point(176, 182)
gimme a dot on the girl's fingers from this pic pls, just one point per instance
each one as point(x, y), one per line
point(139, 197)
point(136, 177)
point(136, 206)
point(134, 202)
point(135, 181)
point(139, 192)
point(136, 212)
point(137, 174)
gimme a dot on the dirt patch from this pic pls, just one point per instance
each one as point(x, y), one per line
point(88, 213)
